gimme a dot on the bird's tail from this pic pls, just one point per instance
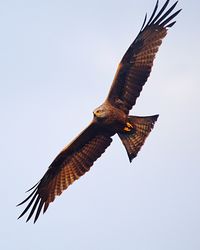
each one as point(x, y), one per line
point(136, 132)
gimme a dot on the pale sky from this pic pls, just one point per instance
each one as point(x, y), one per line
point(57, 62)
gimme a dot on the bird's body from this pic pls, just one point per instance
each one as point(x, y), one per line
point(112, 117)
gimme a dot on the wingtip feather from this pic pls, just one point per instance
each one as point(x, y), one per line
point(161, 18)
point(153, 13)
point(144, 22)
point(166, 21)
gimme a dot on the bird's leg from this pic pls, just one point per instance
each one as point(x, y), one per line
point(128, 127)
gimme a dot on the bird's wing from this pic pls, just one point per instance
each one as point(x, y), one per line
point(72, 162)
point(136, 64)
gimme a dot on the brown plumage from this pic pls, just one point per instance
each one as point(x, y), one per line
point(110, 118)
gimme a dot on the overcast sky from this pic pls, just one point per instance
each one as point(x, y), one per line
point(57, 61)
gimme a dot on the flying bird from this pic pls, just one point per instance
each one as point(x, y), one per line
point(111, 118)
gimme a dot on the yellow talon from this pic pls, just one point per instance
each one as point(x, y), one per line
point(127, 129)
point(129, 125)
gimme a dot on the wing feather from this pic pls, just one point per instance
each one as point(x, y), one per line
point(73, 162)
point(135, 66)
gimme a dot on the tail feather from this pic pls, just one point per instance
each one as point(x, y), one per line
point(135, 138)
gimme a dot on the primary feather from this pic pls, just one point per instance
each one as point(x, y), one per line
point(72, 162)
point(135, 66)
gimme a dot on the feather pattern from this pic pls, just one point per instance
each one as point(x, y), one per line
point(135, 66)
point(69, 165)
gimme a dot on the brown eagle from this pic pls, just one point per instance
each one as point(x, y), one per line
point(110, 118)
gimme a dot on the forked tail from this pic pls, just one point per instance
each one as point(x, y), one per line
point(135, 135)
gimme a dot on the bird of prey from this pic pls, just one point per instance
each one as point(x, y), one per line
point(111, 118)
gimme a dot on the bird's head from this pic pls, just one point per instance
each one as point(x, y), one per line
point(100, 113)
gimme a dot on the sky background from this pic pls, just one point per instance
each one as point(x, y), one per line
point(57, 62)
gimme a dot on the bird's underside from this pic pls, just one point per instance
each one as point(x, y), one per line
point(110, 118)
